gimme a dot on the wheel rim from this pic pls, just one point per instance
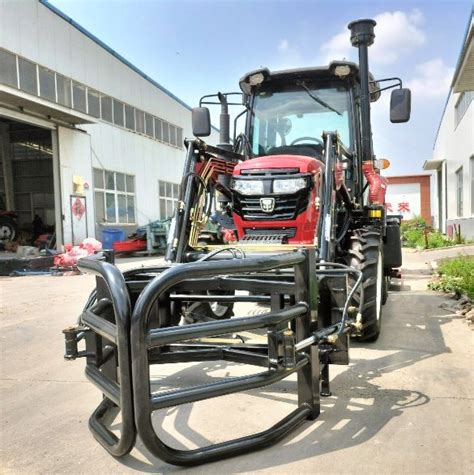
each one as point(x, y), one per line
point(379, 286)
point(218, 309)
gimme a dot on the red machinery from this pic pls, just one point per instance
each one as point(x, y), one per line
point(287, 206)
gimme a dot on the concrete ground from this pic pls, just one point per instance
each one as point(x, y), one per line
point(404, 405)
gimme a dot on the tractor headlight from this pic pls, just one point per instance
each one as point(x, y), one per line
point(288, 185)
point(249, 187)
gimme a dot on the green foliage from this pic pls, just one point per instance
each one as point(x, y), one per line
point(456, 275)
point(418, 221)
point(436, 239)
point(413, 235)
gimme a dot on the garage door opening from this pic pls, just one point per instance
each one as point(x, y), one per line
point(27, 195)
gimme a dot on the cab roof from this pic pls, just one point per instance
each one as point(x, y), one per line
point(335, 70)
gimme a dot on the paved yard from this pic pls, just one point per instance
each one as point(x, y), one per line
point(404, 405)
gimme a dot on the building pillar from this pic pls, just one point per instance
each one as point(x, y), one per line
point(58, 209)
point(444, 202)
point(7, 165)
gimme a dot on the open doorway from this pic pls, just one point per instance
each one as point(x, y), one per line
point(27, 201)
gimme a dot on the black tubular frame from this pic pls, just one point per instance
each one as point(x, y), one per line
point(306, 364)
point(108, 354)
point(128, 325)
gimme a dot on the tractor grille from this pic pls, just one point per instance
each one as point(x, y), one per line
point(264, 239)
point(288, 232)
point(286, 207)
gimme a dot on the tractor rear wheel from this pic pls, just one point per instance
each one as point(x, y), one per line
point(366, 255)
point(386, 286)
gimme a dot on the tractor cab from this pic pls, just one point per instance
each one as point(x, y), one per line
point(290, 110)
point(276, 191)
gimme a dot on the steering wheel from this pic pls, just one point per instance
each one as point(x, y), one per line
point(314, 139)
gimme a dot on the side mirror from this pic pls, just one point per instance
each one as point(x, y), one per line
point(400, 106)
point(201, 119)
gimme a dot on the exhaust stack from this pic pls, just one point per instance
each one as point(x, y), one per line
point(224, 123)
point(362, 36)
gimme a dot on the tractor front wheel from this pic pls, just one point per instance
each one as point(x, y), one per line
point(205, 311)
point(366, 255)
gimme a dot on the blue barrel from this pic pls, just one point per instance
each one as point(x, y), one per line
point(109, 236)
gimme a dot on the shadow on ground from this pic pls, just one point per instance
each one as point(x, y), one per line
point(359, 408)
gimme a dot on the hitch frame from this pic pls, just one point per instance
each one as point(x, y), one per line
point(128, 326)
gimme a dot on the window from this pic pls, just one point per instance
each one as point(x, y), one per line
point(462, 105)
point(140, 121)
point(93, 102)
point(28, 80)
point(118, 113)
point(172, 135)
point(106, 108)
point(289, 114)
point(149, 125)
point(179, 137)
point(166, 132)
point(63, 86)
point(46, 83)
point(168, 198)
point(129, 117)
point(114, 195)
point(459, 187)
point(158, 134)
point(8, 73)
point(79, 97)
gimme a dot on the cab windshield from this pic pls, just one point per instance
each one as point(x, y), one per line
point(296, 116)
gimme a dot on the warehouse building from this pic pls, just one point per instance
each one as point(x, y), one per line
point(453, 154)
point(87, 141)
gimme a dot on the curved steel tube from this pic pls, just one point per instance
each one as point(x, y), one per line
point(141, 339)
point(221, 388)
point(117, 288)
point(163, 336)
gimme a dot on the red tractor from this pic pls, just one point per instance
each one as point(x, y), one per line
point(299, 205)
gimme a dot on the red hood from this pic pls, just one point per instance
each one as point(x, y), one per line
point(304, 164)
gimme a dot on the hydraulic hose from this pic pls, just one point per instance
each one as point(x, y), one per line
point(342, 268)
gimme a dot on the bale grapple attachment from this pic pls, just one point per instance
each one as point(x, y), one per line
point(130, 323)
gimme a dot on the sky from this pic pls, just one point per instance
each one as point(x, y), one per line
point(197, 47)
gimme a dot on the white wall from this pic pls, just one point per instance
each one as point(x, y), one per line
point(148, 160)
point(75, 159)
point(456, 146)
point(405, 199)
point(104, 146)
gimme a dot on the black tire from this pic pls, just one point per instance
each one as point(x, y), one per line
point(386, 285)
point(212, 310)
point(366, 255)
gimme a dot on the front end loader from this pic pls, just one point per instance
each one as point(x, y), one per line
point(289, 215)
